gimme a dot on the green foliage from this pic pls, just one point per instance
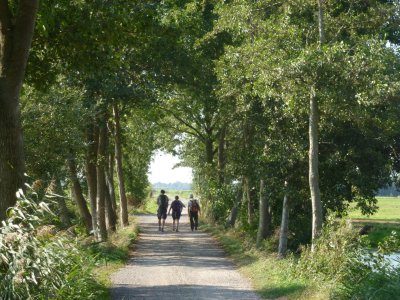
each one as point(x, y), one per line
point(138, 148)
point(368, 276)
point(223, 199)
point(336, 246)
point(390, 243)
point(341, 257)
point(32, 266)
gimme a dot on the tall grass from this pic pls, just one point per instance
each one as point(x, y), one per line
point(34, 266)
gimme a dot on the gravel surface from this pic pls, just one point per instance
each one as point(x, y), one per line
point(178, 265)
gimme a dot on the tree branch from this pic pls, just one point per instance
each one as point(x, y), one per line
point(187, 124)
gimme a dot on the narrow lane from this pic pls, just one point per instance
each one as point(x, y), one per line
point(178, 265)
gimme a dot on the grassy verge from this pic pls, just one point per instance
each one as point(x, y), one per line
point(270, 276)
point(112, 255)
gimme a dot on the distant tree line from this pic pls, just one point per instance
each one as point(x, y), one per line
point(389, 191)
point(178, 186)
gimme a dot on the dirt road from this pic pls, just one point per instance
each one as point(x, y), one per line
point(178, 265)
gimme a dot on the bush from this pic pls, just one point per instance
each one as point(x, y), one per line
point(369, 276)
point(342, 258)
point(34, 266)
point(335, 247)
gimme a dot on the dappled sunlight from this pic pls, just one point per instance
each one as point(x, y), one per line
point(178, 265)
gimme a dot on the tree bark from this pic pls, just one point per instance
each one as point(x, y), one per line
point(110, 181)
point(101, 182)
point(110, 211)
point(15, 41)
point(62, 205)
point(249, 197)
point(313, 139)
point(221, 156)
point(263, 224)
point(111, 217)
point(234, 211)
point(209, 151)
point(118, 163)
point(321, 21)
point(91, 159)
point(283, 234)
point(78, 195)
point(313, 168)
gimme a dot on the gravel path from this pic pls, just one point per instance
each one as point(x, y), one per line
point(178, 265)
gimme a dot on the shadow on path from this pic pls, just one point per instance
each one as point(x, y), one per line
point(180, 292)
point(178, 265)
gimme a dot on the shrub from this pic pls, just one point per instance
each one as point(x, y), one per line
point(342, 258)
point(369, 276)
point(36, 266)
point(336, 245)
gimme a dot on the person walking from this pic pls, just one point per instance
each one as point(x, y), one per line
point(176, 207)
point(162, 202)
point(193, 212)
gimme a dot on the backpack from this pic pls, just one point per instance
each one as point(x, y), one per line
point(194, 207)
point(176, 205)
point(163, 201)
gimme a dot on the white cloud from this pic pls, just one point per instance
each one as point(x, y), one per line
point(161, 169)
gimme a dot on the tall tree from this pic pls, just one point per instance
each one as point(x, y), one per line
point(283, 232)
point(118, 164)
point(317, 218)
point(16, 31)
point(263, 224)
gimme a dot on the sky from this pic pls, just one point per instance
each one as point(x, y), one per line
point(161, 169)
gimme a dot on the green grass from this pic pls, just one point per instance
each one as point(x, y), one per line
point(386, 220)
point(270, 276)
point(389, 209)
point(112, 255)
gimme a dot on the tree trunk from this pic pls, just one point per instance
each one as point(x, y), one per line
point(62, 206)
point(283, 235)
point(91, 159)
point(221, 156)
point(313, 139)
point(249, 197)
point(263, 225)
point(101, 182)
point(15, 41)
point(209, 151)
point(234, 212)
point(78, 195)
point(120, 173)
point(313, 168)
point(321, 21)
point(110, 181)
point(111, 217)
point(110, 211)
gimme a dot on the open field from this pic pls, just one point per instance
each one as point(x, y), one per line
point(389, 210)
point(383, 222)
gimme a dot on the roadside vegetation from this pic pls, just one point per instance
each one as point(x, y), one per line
point(341, 266)
point(41, 260)
point(287, 111)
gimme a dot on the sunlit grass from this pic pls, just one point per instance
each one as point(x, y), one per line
point(113, 254)
point(389, 209)
point(270, 276)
